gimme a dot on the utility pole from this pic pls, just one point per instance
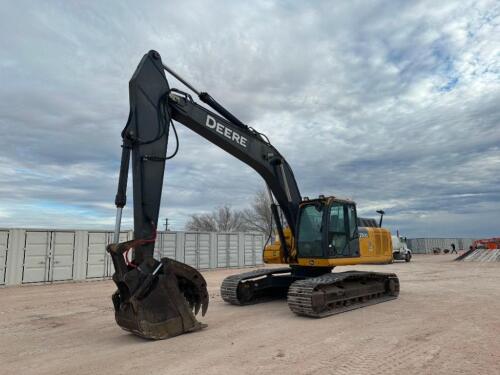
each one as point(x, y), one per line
point(166, 224)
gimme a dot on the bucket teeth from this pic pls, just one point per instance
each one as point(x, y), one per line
point(191, 283)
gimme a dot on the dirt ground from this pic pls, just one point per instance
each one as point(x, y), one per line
point(446, 321)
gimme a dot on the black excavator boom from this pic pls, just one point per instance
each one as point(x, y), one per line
point(158, 299)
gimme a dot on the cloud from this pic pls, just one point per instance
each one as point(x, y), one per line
point(394, 104)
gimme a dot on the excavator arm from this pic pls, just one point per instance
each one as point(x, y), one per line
point(155, 299)
point(248, 146)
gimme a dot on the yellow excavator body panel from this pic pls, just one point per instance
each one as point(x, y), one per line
point(375, 246)
point(273, 253)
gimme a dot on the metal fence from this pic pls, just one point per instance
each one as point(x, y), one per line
point(426, 245)
point(44, 256)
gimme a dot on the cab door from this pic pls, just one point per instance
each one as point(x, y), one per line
point(342, 236)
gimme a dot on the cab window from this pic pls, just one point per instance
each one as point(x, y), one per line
point(353, 225)
point(337, 218)
point(337, 235)
point(310, 238)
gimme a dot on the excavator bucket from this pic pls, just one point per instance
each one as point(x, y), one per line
point(156, 299)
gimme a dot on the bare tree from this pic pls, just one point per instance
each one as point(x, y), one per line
point(223, 219)
point(258, 217)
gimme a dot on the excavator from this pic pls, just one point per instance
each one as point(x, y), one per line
point(158, 299)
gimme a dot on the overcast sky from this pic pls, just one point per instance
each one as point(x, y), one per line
point(395, 104)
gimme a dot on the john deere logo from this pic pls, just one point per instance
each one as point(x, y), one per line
point(225, 131)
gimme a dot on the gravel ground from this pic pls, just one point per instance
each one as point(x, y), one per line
point(446, 321)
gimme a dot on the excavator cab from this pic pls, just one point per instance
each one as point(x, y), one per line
point(327, 228)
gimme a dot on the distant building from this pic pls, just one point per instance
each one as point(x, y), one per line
point(426, 245)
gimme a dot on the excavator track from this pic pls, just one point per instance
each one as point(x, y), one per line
point(334, 293)
point(256, 286)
